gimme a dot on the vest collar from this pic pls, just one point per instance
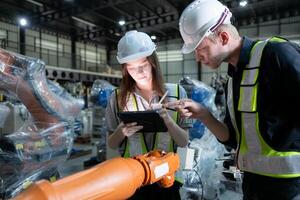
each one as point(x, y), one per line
point(244, 58)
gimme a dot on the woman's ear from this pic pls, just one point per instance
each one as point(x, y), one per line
point(224, 36)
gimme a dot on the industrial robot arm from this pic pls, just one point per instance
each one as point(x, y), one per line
point(46, 138)
point(24, 77)
point(114, 179)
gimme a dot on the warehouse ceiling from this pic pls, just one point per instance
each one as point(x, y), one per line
point(98, 20)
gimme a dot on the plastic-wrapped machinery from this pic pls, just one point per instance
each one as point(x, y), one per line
point(101, 92)
point(204, 180)
point(100, 95)
point(24, 77)
point(201, 93)
point(33, 152)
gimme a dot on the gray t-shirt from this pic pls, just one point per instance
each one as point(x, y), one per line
point(113, 120)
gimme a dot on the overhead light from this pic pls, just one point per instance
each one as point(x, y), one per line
point(121, 22)
point(153, 37)
point(23, 22)
point(243, 3)
point(83, 21)
point(35, 3)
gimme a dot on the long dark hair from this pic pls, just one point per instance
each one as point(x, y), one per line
point(128, 84)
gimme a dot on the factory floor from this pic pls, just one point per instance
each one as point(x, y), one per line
point(81, 153)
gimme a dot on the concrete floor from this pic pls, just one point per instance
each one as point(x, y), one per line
point(74, 165)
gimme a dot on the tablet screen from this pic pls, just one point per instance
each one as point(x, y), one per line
point(150, 120)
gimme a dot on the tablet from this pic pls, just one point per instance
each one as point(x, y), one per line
point(150, 120)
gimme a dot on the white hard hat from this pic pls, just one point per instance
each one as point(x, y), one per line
point(134, 45)
point(199, 19)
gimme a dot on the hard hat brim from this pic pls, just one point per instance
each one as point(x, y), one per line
point(135, 56)
point(189, 48)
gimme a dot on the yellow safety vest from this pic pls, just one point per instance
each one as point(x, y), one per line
point(255, 155)
point(136, 144)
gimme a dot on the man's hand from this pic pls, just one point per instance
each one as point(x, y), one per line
point(188, 108)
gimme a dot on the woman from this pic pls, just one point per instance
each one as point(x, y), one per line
point(142, 85)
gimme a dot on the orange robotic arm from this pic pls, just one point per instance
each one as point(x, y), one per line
point(114, 179)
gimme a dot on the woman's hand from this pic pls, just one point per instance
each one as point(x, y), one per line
point(165, 116)
point(128, 129)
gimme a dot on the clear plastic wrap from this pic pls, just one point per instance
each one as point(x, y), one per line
point(204, 180)
point(34, 151)
point(218, 82)
point(27, 153)
point(201, 93)
point(100, 92)
point(71, 105)
point(100, 95)
point(24, 77)
point(4, 111)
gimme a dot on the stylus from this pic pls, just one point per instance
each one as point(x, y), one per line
point(163, 97)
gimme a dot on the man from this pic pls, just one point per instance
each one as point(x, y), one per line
point(263, 99)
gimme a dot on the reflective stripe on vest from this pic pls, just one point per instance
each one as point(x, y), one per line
point(135, 144)
point(255, 155)
point(163, 140)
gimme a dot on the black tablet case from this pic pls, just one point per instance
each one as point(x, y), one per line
point(150, 120)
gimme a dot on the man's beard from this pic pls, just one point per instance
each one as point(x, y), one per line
point(222, 57)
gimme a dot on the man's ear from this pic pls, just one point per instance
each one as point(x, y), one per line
point(224, 37)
